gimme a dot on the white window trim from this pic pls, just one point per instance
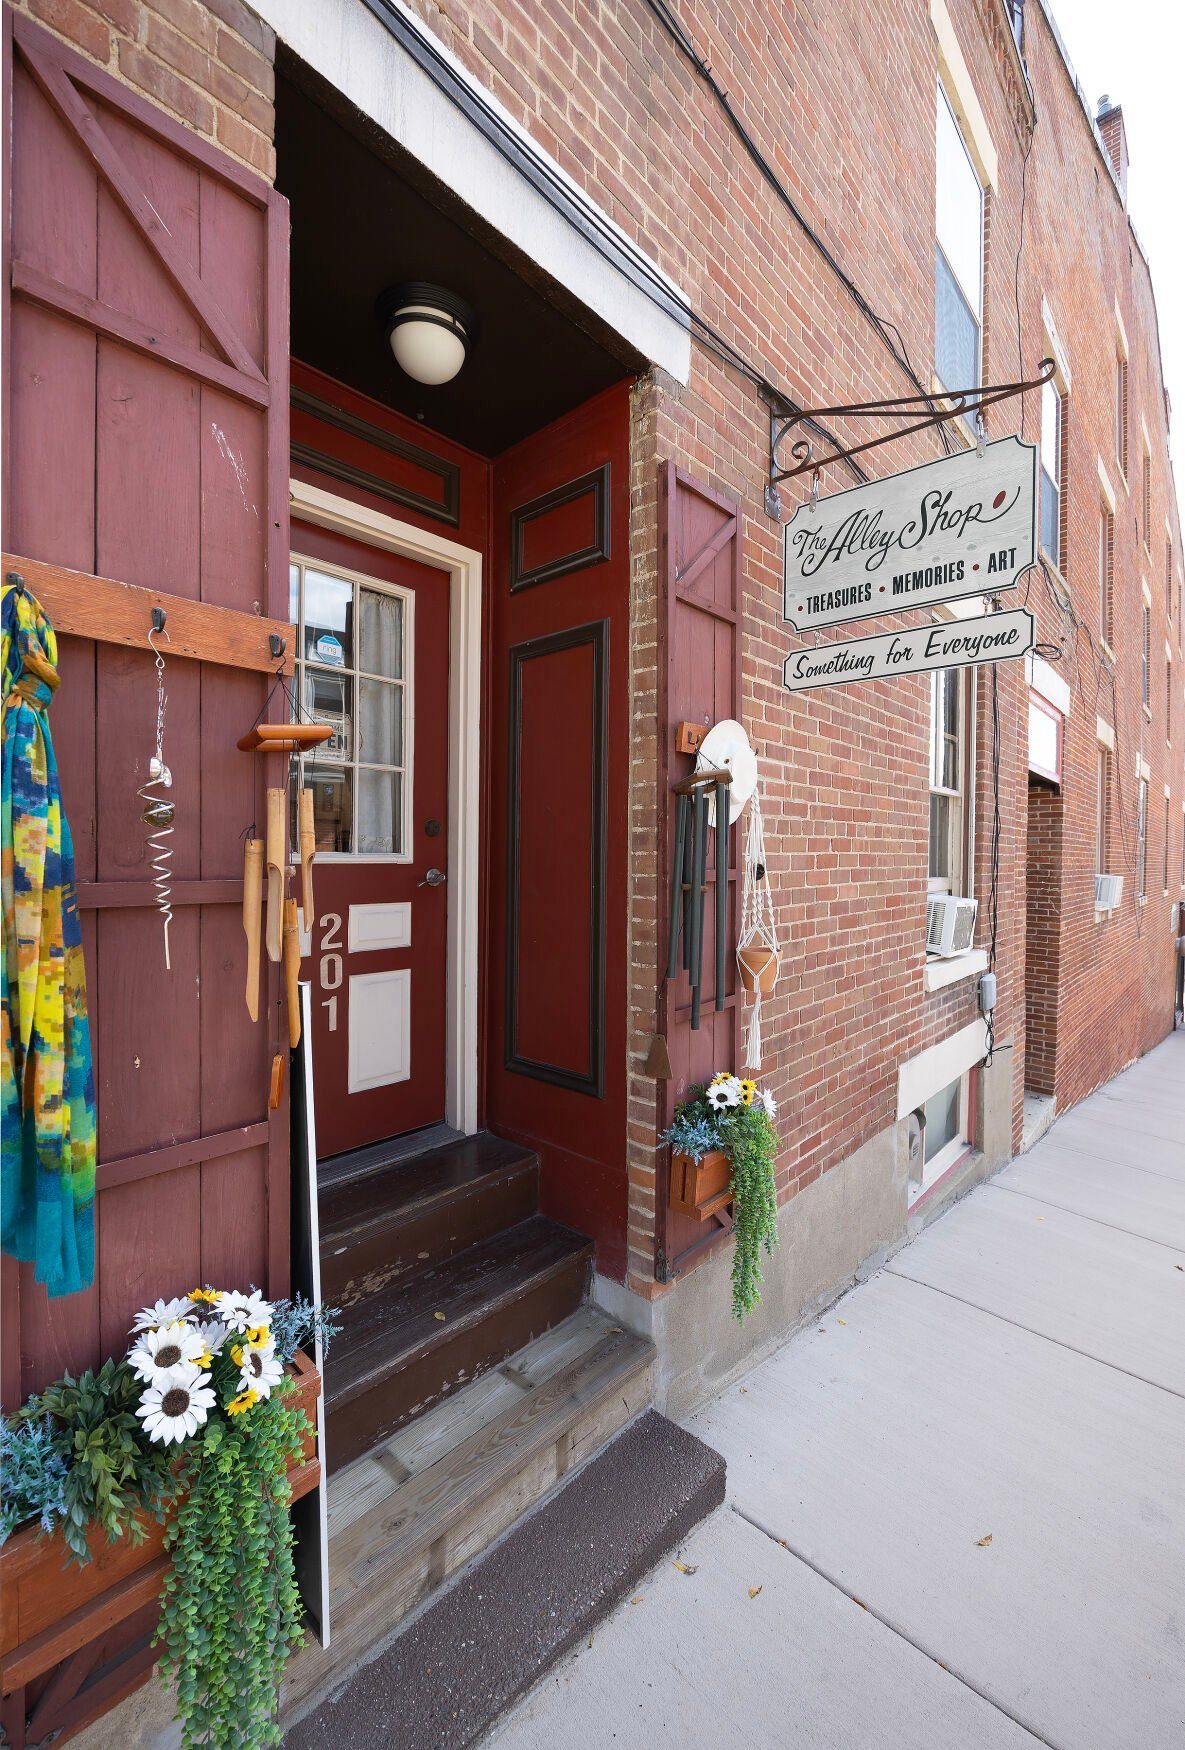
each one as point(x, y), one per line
point(1108, 490)
point(937, 974)
point(935, 1068)
point(960, 90)
point(1104, 734)
point(464, 568)
point(1053, 341)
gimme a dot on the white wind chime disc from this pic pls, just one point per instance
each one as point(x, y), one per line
point(726, 747)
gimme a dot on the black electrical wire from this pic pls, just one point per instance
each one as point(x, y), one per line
point(888, 331)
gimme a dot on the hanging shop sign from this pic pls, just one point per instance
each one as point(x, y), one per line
point(950, 644)
point(962, 526)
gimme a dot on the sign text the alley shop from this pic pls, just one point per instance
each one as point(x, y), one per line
point(965, 525)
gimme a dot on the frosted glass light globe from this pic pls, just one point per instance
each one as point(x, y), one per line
point(426, 351)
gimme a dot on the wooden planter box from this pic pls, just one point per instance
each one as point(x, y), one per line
point(700, 1188)
point(52, 1610)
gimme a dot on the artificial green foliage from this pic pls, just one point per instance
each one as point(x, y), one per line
point(32, 1474)
point(112, 1476)
point(737, 1117)
point(751, 1142)
point(230, 1610)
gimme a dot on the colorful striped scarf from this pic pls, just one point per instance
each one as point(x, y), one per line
point(48, 1203)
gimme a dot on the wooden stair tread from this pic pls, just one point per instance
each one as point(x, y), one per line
point(400, 1324)
point(422, 1508)
point(477, 1463)
point(389, 1193)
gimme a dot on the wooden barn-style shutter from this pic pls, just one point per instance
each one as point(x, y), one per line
point(699, 674)
point(147, 463)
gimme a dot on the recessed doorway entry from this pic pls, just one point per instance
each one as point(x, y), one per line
point(379, 635)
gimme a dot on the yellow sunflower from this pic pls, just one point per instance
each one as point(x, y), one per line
point(258, 1337)
point(243, 1402)
point(748, 1089)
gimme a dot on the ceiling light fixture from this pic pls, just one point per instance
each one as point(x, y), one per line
point(429, 330)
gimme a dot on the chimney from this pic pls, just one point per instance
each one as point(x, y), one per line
point(1109, 121)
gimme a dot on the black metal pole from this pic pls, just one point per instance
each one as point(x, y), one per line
point(681, 808)
point(688, 887)
point(722, 801)
point(698, 872)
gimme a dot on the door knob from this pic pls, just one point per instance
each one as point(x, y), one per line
point(434, 878)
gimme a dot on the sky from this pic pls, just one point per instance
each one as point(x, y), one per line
point(1135, 53)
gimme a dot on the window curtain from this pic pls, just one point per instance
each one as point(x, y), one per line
point(48, 1188)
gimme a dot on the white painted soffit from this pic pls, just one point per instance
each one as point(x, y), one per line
point(392, 68)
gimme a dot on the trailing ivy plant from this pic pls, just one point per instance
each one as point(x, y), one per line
point(737, 1117)
point(230, 1610)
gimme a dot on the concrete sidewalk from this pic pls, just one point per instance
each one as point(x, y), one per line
point(956, 1503)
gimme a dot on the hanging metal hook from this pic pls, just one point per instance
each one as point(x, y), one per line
point(980, 434)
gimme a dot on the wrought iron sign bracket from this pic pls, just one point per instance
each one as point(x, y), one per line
point(958, 404)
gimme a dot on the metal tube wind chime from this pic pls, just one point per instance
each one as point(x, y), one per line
point(689, 881)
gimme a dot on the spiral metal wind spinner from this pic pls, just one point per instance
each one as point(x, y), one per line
point(159, 811)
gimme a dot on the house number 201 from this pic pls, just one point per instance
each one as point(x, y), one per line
point(330, 970)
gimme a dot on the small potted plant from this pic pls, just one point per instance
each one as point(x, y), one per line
point(723, 1146)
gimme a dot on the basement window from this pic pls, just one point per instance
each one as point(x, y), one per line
point(948, 1122)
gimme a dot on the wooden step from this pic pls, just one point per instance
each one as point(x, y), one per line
point(404, 1349)
point(405, 1216)
point(432, 1498)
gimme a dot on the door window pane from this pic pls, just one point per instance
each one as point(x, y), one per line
point(380, 811)
point(381, 642)
point(380, 723)
point(329, 699)
point(332, 809)
point(328, 619)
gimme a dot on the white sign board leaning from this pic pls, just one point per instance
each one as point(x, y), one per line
point(964, 525)
point(950, 644)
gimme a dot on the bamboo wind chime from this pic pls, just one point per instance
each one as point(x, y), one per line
point(689, 881)
point(265, 861)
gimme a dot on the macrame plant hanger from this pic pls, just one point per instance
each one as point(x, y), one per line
point(758, 953)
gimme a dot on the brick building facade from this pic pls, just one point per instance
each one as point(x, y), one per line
point(759, 208)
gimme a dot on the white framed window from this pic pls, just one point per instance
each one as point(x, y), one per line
point(1052, 421)
point(354, 671)
point(1146, 500)
point(1168, 808)
point(958, 273)
point(1146, 657)
point(1121, 412)
point(1102, 850)
point(1106, 572)
point(949, 696)
point(947, 1119)
point(1142, 839)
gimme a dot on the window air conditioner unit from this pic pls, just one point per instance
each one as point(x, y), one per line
point(950, 925)
point(1108, 892)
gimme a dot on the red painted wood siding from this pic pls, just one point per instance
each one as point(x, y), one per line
point(699, 681)
point(147, 405)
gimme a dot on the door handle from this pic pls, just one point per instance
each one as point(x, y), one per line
point(434, 878)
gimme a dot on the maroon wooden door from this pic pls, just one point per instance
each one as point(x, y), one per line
point(699, 682)
point(147, 426)
point(559, 789)
point(374, 662)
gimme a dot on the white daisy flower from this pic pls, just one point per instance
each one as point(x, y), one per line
point(213, 1334)
point(174, 1411)
point(723, 1096)
point(158, 1356)
point(165, 1312)
point(259, 1370)
point(766, 1099)
point(241, 1312)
